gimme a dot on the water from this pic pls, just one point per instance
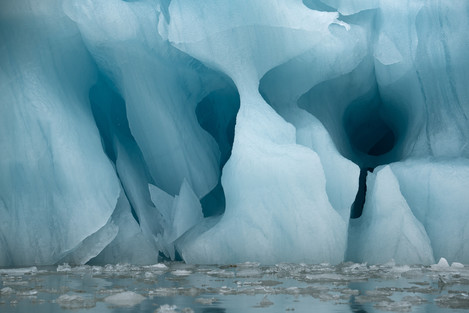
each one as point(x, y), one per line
point(247, 287)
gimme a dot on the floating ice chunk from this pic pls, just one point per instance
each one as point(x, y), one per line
point(457, 265)
point(158, 266)
point(166, 308)
point(64, 268)
point(442, 263)
point(7, 291)
point(454, 301)
point(73, 302)
point(111, 291)
point(221, 273)
point(165, 292)
point(27, 293)
point(206, 301)
point(400, 306)
point(414, 300)
point(127, 298)
point(181, 273)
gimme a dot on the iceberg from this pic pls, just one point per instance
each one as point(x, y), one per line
point(233, 131)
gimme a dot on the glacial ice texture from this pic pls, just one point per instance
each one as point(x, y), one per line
point(225, 131)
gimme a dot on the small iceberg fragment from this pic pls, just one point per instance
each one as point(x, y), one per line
point(126, 298)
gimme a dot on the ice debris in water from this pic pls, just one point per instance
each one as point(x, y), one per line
point(74, 302)
point(181, 272)
point(19, 271)
point(459, 300)
point(388, 287)
point(443, 263)
point(64, 268)
point(6, 291)
point(166, 308)
point(457, 265)
point(392, 306)
point(158, 266)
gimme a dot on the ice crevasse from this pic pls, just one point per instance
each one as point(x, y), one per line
point(228, 131)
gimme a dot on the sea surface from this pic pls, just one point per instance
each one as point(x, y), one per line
point(247, 287)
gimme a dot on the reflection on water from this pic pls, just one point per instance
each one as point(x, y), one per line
point(247, 287)
point(213, 310)
point(357, 308)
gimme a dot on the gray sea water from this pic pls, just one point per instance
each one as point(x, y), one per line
point(247, 287)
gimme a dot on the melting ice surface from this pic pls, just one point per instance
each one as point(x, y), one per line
point(246, 287)
point(221, 131)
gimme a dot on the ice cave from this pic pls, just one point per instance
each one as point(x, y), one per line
point(221, 131)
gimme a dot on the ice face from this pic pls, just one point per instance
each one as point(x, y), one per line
point(269, 180)
point(231, 131)
point(435, 191)
point(57, 186)
point(388, 221)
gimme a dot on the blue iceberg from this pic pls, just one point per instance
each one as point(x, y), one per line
point(229, 131)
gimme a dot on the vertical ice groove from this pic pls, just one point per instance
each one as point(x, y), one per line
point(110, 116)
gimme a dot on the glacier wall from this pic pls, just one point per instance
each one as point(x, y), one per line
point(228, 131)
